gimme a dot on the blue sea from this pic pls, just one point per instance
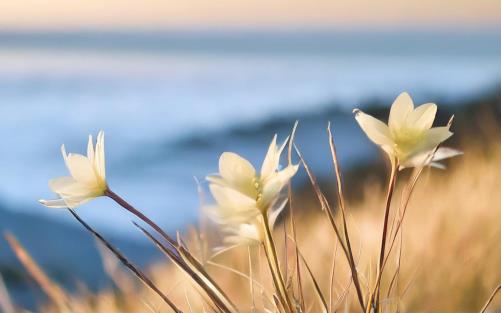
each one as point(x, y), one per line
point(171, 102)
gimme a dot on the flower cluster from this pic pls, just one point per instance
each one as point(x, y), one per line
point(244, 198)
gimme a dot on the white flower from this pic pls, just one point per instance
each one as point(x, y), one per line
point(87, 180)
point(241, 194)
point(409, 134)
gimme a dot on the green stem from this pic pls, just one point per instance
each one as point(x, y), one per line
point(271, 253)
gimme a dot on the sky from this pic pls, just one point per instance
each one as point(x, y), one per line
point(247, 14)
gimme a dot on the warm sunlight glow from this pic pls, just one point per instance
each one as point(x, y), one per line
point(254, 14)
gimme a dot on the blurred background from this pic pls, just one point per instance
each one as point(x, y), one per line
point(175, 83)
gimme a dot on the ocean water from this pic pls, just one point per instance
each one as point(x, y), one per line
point(170, 103)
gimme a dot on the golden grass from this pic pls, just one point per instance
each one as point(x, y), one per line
point(446, 259)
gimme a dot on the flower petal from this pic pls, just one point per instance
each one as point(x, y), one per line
point(434, 137)
point(68, 186)
point(90, 150)
point(400, 110)
point(238, 172)
point(423, 116)
point(225, 215)
point(81, 169)
point(70, 202)
point(270, 192)
point(216, 179)
point(271, 159)
point(274, 185)
point(99, 159)
point(376, 130)
point(286, 174)
point(228, 197)
point(443, 153)
point(55, 203)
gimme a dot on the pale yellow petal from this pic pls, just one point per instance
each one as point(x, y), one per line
point(287, 173)
point(390, 152)
point(434, 137)
point(56, 184)
point(376, 130)
point(66, 202)
point(271, 160)
point(90, 150)
point(65, 155)
point(422, 117)
point(443, 153)
point(99, 161)
point(81, 169)
point(400, 110)
point(425, 159)
point(227, 215)
point(215, 179)
point(55, 203)
point(238, 172)
point(270, 192)
point(74, 202)
point(419, 160)
point(228, 197)
point(68, 185)
point(275, 184)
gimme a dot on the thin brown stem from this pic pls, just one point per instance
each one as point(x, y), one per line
point(213, 295)
point(134, 269)
point(328, 211)
point(293, 222)
point(182, 256)
point(120, 201)
point(389, 195)
point(341, 203)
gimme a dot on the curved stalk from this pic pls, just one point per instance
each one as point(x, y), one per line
point(183, 258)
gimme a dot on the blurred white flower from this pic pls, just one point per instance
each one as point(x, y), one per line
point(87, 180)
point(408, 135)
point(242, 195)
point(246, 233)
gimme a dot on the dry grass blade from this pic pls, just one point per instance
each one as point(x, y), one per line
point(51, 289)
point(318, 291)
point(216, 295)
point(331, 280)
point(343, 295)
point(493, 294)
point(293, 221)
point(321, 199)
point(134, 269)
point(206, 281)
point(140, 215)
point(113, 269)
point(247, 277)
point(341, 202)
point(326, 208)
